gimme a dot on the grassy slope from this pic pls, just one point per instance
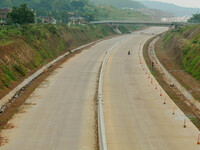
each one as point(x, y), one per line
point(24, 50)
point(189, 37)
point(107, 12)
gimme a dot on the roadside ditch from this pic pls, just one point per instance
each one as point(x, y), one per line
point(181, 101)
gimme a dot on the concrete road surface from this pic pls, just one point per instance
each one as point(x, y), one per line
point(135, 116)
point(60, 114)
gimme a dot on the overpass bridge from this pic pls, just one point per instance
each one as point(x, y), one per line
point(170, 24)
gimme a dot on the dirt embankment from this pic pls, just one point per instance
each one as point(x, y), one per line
point(24, 53)
point(171, 53)
point(24, 50)
point(172, 60)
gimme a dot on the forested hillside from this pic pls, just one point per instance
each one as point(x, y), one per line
point(56, 8)
point(59, 9)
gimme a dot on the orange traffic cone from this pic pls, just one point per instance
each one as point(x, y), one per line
point(160, 92)
point(198, 141)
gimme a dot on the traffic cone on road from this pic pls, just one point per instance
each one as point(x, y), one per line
point(160, 92)
point(198, 141)
point(156, 87)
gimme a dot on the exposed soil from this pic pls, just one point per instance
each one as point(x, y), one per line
point(171, 59)
point(21, 100)
point(15, 107)
point(185, 105)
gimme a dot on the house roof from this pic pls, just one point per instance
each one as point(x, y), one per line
point(5, 10)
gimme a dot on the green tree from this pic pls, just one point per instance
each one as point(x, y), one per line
point(195, 18)
point(22, 15)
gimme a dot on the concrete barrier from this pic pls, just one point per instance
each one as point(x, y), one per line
point(170, 77)
point(101, 124)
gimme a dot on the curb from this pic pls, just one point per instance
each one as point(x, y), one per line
point(17, 91)
point(169, 76)
point(101, 123)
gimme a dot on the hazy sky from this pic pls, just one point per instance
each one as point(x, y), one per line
point(185, 3)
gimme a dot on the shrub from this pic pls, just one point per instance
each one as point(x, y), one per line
point(20, 70)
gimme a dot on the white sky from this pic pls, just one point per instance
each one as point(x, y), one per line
point(185, 3)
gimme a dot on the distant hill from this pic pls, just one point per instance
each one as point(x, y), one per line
point(172, 8)
point(63, 9)
point(120, 3)
point(57, 8)
point(155, 13)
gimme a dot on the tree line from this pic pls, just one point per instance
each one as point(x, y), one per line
point(58, 9)
point(195, 18)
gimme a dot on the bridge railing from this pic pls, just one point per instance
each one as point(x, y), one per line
point(153, 23)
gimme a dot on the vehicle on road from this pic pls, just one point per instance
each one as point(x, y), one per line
point(129, 32)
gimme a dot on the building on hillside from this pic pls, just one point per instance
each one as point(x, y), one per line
point(3, 14)
point(49, 20)
point(77, 20)
point(176, 19)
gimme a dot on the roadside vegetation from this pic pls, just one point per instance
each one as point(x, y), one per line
point(165, 56)
point(188, 39)
point(24, 49)
point(179, 52)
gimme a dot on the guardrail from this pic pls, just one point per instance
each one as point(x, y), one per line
point(12, 95)
point(101, 124)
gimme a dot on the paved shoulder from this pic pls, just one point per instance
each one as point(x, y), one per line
point(62, 110)
point(135, 116)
